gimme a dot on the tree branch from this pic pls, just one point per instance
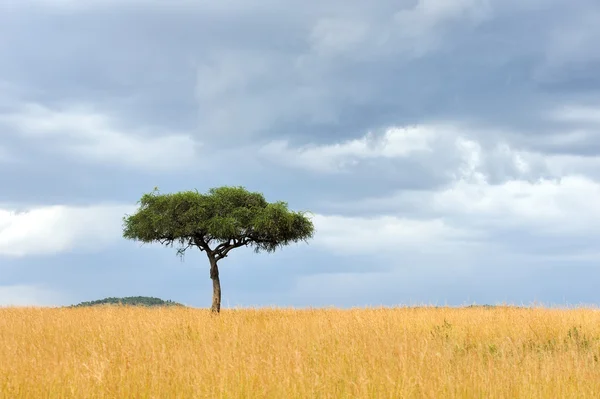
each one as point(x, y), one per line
point(181, 251)
point(201, 244)
point(224, 248)
point(166, 240)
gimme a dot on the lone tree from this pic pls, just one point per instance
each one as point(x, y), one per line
point(217, 222)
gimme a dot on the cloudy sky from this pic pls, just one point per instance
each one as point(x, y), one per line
point(449, 149)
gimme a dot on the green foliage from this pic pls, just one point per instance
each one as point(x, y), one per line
point(130, 301)
point(229, 217)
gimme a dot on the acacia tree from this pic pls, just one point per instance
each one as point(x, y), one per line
point(217, 222)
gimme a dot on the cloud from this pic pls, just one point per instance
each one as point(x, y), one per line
point(95, 4)
point(91, 136)
point(51, 230)
point(551, 206)
point(569, 52)
point(334, 36)
point(385, 234)
point(29, 295)
point(274, 87)
point(578, 113)
point(5, 155)
point(398, 29)
point(395, 142)
point(449, 149)
point(561, 201)
point(306, 84)
point(493, 190)
point(421, 28)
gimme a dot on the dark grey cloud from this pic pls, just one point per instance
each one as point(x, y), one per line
point(255, 70)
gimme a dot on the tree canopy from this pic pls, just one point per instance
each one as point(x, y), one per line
point(226, 216)
point(216, 222)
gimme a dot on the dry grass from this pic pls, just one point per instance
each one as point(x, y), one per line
point(122, 352)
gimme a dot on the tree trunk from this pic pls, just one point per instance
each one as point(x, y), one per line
point(214, 275)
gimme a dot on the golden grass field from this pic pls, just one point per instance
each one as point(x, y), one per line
point(127, 352)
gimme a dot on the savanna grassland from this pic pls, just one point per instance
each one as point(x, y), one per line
point(129, 352)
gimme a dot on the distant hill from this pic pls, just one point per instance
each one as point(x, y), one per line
point(130, 301)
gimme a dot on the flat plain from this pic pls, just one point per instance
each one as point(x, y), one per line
point(404, 352)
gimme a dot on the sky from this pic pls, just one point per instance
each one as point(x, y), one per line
point(449, 150)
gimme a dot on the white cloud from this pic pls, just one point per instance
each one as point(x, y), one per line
point(562, 203)
point(565, 205)
point(29, 295)
point(383, 233)
point(449, 147)
point(466, 217)
point(543, 195)
point(92, 136)
point(56, 229)
point(566, 165)
point(394, 143)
